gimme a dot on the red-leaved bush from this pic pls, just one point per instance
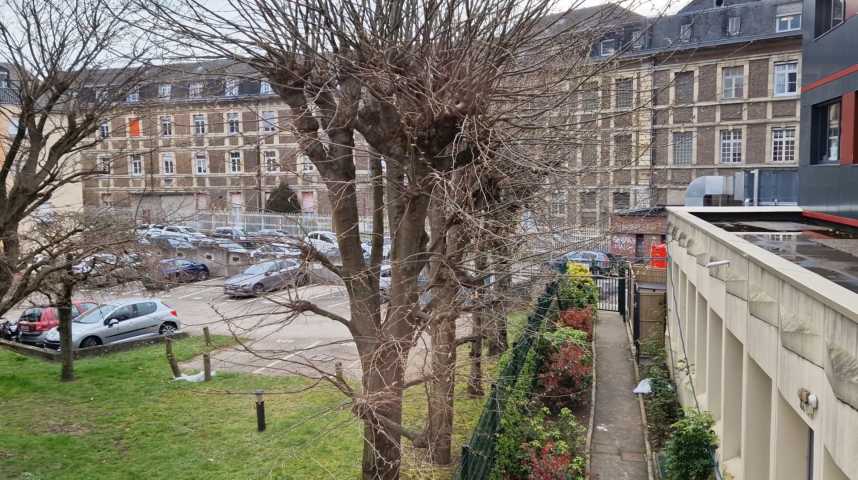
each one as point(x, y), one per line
point(548, 464)
point(579, 319)
point(566, 376)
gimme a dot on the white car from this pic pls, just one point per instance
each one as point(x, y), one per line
point(189, 232)
point(276, 250)
point(323, 241)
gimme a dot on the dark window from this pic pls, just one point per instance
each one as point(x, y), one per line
point(588, 200)
point(622, 150)
point(829, 14)
point(682, 148)
point(621, 200)
point(625, 93)
point(825, 132)
point(684, 84)
point(590, 96)
point(146, 308)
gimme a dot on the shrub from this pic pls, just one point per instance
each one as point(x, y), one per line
point(554, 447)
point(579, 319)
point(689, 451)
point(563, 335)
point(567, 376)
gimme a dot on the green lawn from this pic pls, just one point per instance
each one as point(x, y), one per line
point(125, 419)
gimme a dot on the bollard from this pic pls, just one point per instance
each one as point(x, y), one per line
point(260, 411)
point(338, 369)
point(207, 335)
point(207, 367)
point(171, 359)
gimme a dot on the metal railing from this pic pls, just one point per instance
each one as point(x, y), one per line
point(292, 224)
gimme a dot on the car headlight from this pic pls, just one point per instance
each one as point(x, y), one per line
point(53, 335)
point(245, 285)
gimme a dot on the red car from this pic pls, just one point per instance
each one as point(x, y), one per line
point(36, 321)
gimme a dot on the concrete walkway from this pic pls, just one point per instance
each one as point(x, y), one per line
point(618, 442)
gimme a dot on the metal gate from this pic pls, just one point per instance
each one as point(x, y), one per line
point(612, 293)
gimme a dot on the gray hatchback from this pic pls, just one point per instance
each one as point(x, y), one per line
point(265, 277)
point(120, 321)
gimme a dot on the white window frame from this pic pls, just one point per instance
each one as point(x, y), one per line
point(234, 167)
point(104, 129)
point(607, 47)
point(678, 148)
point(165, 125)
point(268, 125)
point(230, 122)
point(196, 126)
point(637, 40)
point(685, 32)
point(265, 88)
point(789, 27)
point(783, 144)
point(168, 159)
point(135, 161)
point(103, 164)
point(733, 82)
point(165, 91)
point(630, 92)
point(196, 89)
point(230, 87)
point(734, 25)
point(558, 204)
point(133, 95)
point(731, 143)
point(785, 78)
point(271, 160)
point(201, 162)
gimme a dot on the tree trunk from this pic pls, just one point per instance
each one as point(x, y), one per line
point(475, 378)
point(64, 306)
point(383, 377)
point(496, 332)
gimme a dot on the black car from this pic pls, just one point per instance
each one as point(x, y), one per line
point(182, 270)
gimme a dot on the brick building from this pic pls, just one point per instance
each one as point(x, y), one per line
point(197, 137)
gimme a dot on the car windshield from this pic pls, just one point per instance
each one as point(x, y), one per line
point(259, 269)
point(95, 316)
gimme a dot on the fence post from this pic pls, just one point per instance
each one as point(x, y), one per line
point(207, 367)
point(171, 359)
point(260, 411)
point(621, 296)
point(207, 335)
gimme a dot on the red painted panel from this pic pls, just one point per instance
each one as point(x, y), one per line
point(825, 217)
point(847, 129)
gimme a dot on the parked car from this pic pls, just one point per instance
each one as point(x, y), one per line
point(597, 262)
point(182, 270)
point(229, 245)
point(189, 232)
point(323, 241)
point(120, 321)
point(35, 322)
point(233, 233)
point(269, 233)
point(8, 329)
point(173, 243)
point(276, 250)
point(265, 277)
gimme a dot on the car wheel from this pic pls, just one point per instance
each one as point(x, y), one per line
point(90, 342)
point(168, 329)
point(204, 275)
point(258, 288)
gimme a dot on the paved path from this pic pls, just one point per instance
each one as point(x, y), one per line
point(618, 445)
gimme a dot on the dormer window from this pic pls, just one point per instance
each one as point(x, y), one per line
point(637, 40)
point(164, 91)
point(231, 87)
point(685, 32)
point(195, 89)
point(789, 23)
point(607, 47)
point(733, 25)
point(133, 95)
point(265, 88)
point(719, 3)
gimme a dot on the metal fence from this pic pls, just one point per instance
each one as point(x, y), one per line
point(478, 456)
point(292, 224)
point(612, 293)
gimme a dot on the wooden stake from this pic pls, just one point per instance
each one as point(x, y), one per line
point(207, 336)
point(207, 367)
point(174, 366)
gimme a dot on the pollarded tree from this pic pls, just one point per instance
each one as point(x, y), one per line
point(283, 200)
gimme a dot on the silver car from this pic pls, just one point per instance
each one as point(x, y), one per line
point(120, 321)
point(265, 277)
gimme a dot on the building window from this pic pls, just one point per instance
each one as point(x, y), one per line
point(623, 150)
point(134, 127)
point(590, 97)
point(199, 124)
point(788, 23)
point(233, 123)
point(270, 159)
point(269, 121)
point(558, 204)
point(731, 145)
point(169, 162)
point(195, 89)
point(235, 162)
point(829, 14)
point(685, 32)
point(166, 126)
point(825, 128)
point(265, 88)
point(637, 40)
point(136, 164)
point(133, 95)
point(622, 201)
point(201, 163)
point(783, 145)
point(607, 47)
point(103, 164)
point(4, 78)
point(733, 82)
point(625, 93)
point(733, 26)
point(588, 200)
point(104, 129)
point(231, 87)
point(682, 148)
point(684, 87)
point(786, 78)
point(164, 91)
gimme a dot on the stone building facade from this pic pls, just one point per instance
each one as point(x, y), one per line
point(710, 91)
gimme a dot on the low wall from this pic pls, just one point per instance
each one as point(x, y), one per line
point(54, 355)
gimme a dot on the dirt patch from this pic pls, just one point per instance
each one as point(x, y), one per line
point(64, 428)
point(4, 454)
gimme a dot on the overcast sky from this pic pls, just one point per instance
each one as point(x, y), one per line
point(646, 7)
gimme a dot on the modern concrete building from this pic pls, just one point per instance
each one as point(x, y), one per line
point(709, 91)
point(200, 137)
point(763, 333)
point(829, 82)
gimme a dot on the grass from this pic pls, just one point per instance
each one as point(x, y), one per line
point(123, 418)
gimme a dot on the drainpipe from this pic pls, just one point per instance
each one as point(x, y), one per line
point(756, 173)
